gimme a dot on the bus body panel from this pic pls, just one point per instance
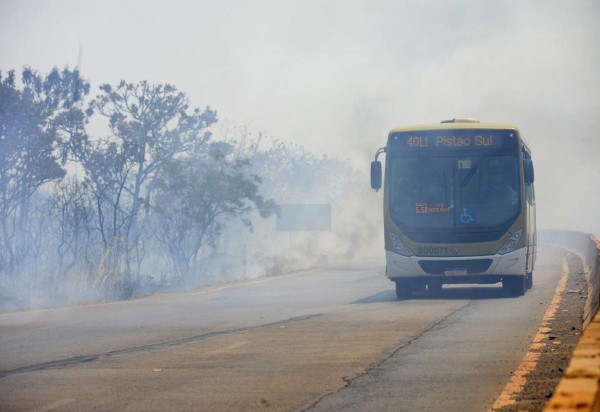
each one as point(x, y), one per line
point(457, 249)
point(511, 264)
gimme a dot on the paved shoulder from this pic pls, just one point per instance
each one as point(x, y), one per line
point(463, 362)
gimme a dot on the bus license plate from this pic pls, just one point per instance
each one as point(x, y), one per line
point(455, 272)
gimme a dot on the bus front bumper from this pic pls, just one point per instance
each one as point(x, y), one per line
point(511, 264)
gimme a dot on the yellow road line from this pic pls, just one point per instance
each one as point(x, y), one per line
point(519, 378)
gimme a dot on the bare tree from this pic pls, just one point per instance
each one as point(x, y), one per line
point(151, 125)
point(198, 196)
point(73, 213)
point(30, 119)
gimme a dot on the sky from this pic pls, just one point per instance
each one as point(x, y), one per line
point(335, 76)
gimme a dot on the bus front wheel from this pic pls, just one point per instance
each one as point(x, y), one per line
point(514, 285)
point(403, 289)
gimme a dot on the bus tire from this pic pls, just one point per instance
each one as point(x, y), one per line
point(403, 289)
point(419, 288)
point(514, 285)
point(529, 280)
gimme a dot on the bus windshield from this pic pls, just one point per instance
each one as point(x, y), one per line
point(444, 181)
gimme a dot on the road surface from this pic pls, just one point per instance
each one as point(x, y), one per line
point(335, 338)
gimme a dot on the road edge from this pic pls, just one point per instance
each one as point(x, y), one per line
point(579, 387)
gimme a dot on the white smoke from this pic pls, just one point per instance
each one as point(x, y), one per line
point(336, 76)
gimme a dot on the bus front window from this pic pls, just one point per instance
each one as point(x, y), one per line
point(454, 191)
point(493, 194)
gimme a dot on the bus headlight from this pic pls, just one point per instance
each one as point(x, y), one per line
point(511, 243)
point(398, 246)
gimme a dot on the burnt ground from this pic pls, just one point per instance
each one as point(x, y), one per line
point(561, 338)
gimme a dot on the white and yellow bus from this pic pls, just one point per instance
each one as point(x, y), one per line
point(459, 206)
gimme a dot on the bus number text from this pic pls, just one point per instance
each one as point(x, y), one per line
point(432, 250)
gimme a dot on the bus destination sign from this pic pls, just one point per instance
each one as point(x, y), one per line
point(470, 140)
point(451, 141)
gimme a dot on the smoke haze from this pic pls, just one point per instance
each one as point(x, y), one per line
point(336, 76)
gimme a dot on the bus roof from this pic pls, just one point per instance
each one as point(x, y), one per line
point(454, 125)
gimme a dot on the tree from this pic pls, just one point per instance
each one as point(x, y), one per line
point(150, 126)
point(197, 196)
point(73, 215)
point(153, 126)
point(31, 119)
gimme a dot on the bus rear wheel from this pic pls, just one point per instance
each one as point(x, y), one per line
point(403, 289)
point(514, 285)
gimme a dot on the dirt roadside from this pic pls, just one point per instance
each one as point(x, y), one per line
point(554, 351)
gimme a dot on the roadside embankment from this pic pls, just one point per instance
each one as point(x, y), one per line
point(579, 388)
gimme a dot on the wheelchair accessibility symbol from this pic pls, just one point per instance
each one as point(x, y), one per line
point(467, 216)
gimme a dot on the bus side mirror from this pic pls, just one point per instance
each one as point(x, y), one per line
point(529, 175)
point(376, 175)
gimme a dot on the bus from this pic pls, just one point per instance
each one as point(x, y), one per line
point(458, 206)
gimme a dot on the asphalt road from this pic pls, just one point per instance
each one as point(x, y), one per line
point(330, 339)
